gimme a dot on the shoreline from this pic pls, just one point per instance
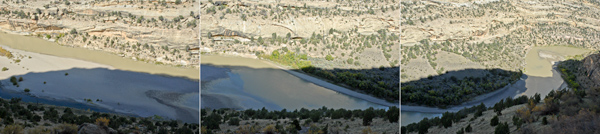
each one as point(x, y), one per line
point(334, 87)
point(41, 46)
point(315, 81)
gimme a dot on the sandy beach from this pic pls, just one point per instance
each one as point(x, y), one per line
point(122, 91)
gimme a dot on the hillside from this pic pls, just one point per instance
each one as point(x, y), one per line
point(569, 110)
point(159, 32)
point(321, 120)
point(318, 37)
point(489, 34)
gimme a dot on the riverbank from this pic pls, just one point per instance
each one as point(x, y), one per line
point(488, 99)
point(95, 84)
point(37, 45)
point(261, 64)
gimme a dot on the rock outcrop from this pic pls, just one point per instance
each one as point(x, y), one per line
point(591, 68)
point(88, 128)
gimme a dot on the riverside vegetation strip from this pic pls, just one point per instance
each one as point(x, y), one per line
point(448, 89)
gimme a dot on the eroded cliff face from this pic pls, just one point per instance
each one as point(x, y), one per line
point(161, 32)
point(357, 34)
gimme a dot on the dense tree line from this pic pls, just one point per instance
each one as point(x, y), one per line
point(442, 92)
point(374, 85)
point(569, 70)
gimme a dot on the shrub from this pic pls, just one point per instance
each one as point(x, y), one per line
point(313, 129)
point(66, 74)
point(102, 121)
point(66, 129)
point(350, 61)
point(544, 121)
point(368, 116)
point(13, 129)
point(73, 31)
point(246, 129)
point(20, 79)
point(393, 114)
point(303, 57)
point(212, 121)
point(502, 128)
point(494, 121)
point(270, 129)
point(368, 131)
point(4, 52)
point(13, 79)
point(468, 128)
point(39, 130)
point(4, 69)
point(27, 90)
point(525, 114)
point(329, 57)
point(461, 131)
point(316, 116)
point(296, 123)
point(517, 121)
point(234, 121)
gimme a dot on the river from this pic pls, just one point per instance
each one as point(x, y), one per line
point(243, 83)
point(37, 45)
point(540, 76)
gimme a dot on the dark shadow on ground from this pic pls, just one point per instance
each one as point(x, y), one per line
point(105, 90)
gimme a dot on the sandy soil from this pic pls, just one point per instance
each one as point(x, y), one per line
point(122, 91)
point(416, 69)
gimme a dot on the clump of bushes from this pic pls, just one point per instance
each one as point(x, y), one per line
point(14, 81)
point(4, 52)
